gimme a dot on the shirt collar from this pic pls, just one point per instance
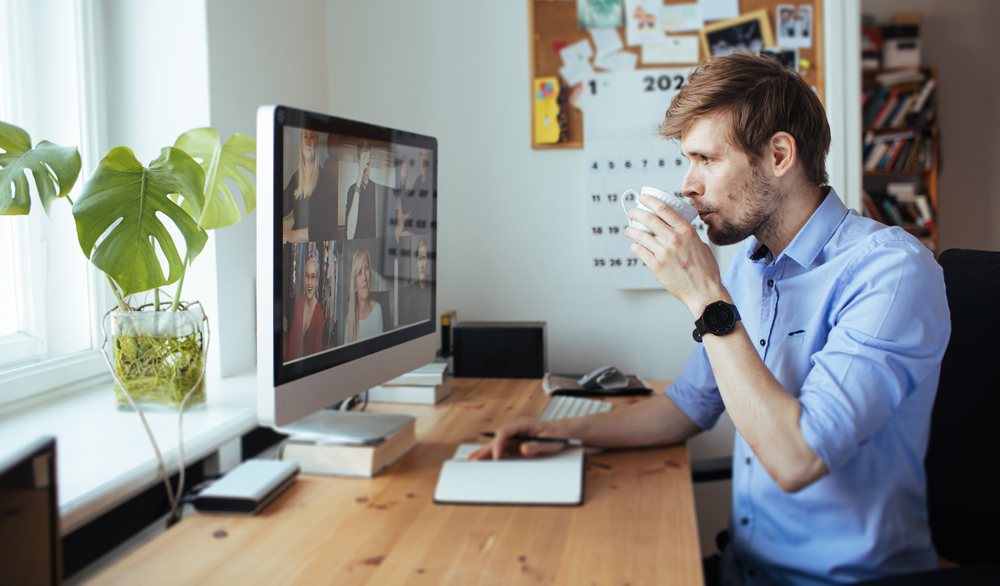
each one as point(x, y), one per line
point(813, 236)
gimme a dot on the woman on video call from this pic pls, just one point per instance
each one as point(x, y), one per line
point(364, 315)
point(309, 197)
point(306, 337)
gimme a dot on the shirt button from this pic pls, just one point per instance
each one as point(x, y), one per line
point(744, 521)
point(748, 460)
point(770, 282)
point(762, 342)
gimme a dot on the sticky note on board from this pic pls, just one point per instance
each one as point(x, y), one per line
point(676, 49)
point(546, 97)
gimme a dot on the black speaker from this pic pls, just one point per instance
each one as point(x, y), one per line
point(499, 349)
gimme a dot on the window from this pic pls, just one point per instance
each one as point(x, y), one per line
point(49, 301)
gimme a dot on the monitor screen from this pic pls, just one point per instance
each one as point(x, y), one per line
point(352, 236)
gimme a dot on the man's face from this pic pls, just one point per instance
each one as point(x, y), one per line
point(425, 161)
point(422, 263)
point(365, 160)
point(733, 197)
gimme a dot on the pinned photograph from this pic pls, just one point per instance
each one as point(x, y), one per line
point(599, 13)
point(641, 22)
point(788, 57)
point(795, 26)
point(749, 33)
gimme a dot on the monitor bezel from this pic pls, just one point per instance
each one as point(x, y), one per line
point(276, 376)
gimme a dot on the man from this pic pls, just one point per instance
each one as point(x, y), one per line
point(360, 217)
point(830, 367)
point(416, 297)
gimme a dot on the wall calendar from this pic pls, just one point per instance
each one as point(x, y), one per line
point(623, 151)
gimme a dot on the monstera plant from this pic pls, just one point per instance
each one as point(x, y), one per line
point(120, 217)
point(159, 348)
point(48, 163)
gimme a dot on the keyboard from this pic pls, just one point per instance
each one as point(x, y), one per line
point(563, 407)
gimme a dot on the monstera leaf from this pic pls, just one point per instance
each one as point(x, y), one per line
point(47, 161)
point(122, 189)
point(220, 161)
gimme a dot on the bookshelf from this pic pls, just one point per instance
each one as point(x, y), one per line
point(900, 148)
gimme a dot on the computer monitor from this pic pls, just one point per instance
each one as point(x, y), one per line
point(346, 258)
point(29, 514)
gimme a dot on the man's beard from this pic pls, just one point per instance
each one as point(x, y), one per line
point(757, 207)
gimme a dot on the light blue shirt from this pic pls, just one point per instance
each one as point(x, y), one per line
point(852, 320)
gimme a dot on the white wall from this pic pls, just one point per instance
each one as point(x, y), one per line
point(258, 54)
point(959, 39)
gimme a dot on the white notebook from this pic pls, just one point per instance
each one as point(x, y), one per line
point(545, 480)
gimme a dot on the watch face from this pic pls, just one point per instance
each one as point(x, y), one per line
point(719, 318)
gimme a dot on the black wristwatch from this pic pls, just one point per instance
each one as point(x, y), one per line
point(717, 318)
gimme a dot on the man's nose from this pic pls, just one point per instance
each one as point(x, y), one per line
point(692, 185)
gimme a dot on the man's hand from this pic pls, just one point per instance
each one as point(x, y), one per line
point(676, 256)
point(503, 441)
point(402, 173)
point(364, 162)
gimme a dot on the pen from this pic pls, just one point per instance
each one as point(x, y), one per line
point(531, 438)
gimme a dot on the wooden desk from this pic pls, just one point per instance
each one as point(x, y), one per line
point(636, 526)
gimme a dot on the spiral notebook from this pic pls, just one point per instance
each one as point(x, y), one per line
point(555, 479)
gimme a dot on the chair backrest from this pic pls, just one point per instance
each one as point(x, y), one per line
point(963, 468)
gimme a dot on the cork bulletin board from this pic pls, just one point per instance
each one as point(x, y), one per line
point(553, 24)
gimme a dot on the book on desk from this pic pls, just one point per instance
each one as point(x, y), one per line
point(355, 444)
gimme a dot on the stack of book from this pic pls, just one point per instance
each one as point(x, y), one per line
point(348, 443)
point(427, 385)
point(902, 98)
point(898, 151)
point(900, 206)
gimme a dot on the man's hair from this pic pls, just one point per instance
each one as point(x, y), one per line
point(760, 97)
point(363, 146)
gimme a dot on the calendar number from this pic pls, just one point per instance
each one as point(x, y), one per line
point(615, 262)
point(663, 82)
point(645, 163)
point(630, 197)
point(612, 197)
point(611, 165)
point(596, 229)
point(663, 163)
point(631, 262)
point(595, 198)
point(612, 229)
point(598, 262)
point(628, 164)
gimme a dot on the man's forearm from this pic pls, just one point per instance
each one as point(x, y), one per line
point(653, 422)
point(766, 415)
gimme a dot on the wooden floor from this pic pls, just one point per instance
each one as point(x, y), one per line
point(637, 524)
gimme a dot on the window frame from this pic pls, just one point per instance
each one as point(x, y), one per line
point(29, 379)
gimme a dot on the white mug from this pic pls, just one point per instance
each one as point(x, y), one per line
point(676, 203)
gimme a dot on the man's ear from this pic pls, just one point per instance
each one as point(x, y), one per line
point(782, 153)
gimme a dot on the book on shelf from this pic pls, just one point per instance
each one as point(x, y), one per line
point(434, 373)
point(897, 151)
point(353, 444)
point(908, 211)
point(895, 106)
point(422, 394)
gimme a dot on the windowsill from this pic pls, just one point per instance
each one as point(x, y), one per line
point(104, 455)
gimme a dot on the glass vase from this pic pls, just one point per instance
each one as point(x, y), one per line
point(159, 356)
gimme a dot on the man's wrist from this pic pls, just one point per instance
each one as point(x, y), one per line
point(698, 305)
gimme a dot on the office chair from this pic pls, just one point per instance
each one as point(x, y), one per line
point(963, 487)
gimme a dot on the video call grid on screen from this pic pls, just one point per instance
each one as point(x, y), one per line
point(355, 242)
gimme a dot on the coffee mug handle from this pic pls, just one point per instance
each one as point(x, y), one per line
point(632, 191)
